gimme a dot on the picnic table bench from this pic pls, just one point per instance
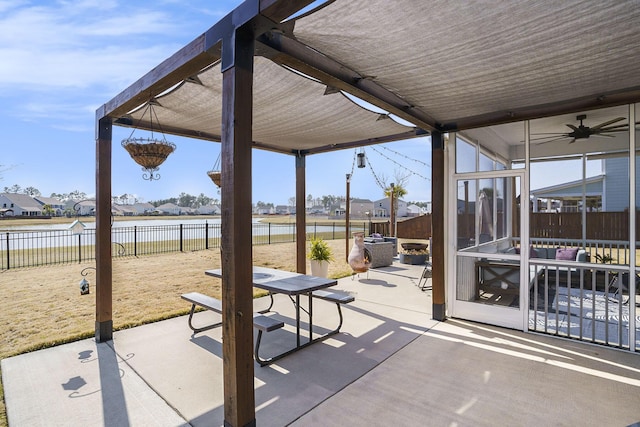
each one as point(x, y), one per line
point(261, 322)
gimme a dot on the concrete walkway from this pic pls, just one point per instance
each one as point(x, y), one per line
point(390, 365)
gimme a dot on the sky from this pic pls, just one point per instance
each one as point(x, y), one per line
point(61, 60)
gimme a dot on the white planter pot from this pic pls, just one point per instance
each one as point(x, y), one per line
point(319, 268)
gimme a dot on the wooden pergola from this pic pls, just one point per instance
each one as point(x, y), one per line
point(403, 49)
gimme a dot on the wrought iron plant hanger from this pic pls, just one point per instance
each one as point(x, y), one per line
point(149, 152)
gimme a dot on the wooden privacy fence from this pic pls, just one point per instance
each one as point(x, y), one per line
point(414, 228)
point(599, 225)
point(565, 225)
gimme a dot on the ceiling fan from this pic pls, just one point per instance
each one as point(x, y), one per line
point(582, 132)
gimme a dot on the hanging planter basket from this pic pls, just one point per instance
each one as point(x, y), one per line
point(216, 177)
point(151, 152)
point(148, 153)
point(215, 174)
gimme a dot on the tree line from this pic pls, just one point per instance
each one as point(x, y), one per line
point(190, 201)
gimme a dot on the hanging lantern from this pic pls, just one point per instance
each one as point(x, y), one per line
point(361, 159)
point(150, 152)
point(215, 174)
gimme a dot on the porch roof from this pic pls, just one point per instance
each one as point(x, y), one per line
point(572, 189)
point(439, 65)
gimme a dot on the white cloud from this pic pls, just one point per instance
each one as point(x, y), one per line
point(72, 45)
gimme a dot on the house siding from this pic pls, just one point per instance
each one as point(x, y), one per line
point(616, 184)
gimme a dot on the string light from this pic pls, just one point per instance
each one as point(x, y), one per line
point(353, 165)
point(402, 155)
point(374, 174)
point(402, 166)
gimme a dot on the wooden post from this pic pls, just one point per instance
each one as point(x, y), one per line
point(392, 214)
point(104, 298)
point(346, 220)
point(437, 226)
point(301, 215)
point(236, 253)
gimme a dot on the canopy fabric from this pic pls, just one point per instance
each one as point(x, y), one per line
point(290, 111)
point(458, 59)
point(440, 64)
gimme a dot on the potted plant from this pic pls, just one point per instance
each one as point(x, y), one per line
point(416, 254)
point(319, 256)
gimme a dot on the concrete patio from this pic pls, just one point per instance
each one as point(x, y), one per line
point(390, 365)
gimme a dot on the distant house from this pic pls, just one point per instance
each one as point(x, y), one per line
point(187, 210)
point(124, 210)
point(358, 209)
point(144, 208)
point(414, 210)
point(82, 208)
point(209, 210)
point(56, 204)
point(615, 187)
point(283, 210)
point(19, 205)
point(383, 208)
point(265, 210)
point(316, 210)
point(169, 209)
point(607, 192)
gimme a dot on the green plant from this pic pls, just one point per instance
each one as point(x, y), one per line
point(319, 250)
point(604, 259)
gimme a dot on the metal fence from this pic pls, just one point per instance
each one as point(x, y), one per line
point(20, 249)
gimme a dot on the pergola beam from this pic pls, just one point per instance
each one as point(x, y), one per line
point(204, 50)
point(278, 10)
point(595, 101)
point(145, 124)
point(186, 62)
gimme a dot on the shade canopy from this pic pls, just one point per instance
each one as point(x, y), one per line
point(440, 65)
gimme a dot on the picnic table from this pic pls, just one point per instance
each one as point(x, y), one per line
point(295, 285)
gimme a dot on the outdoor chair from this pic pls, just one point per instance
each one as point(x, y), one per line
point(621, 284)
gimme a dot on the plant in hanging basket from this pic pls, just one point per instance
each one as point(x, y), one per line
point(215, 174)
point(148, 153)
point(216, 177)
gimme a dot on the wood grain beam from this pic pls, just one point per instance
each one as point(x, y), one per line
point(301, 215)
point(595, 101)
point(236, 251)
point(104, 286)
point(438, 225)
point(184, 63)
point(204, 50)
point(365, 142)
point(278, 10)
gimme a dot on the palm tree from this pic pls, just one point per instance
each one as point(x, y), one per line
point(398, 192)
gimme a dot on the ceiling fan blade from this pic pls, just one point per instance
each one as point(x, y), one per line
point(561, 138)
point(550, 137)
point(601, 125)
point(574, 128)
point(613, 129)
point(602, 135)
